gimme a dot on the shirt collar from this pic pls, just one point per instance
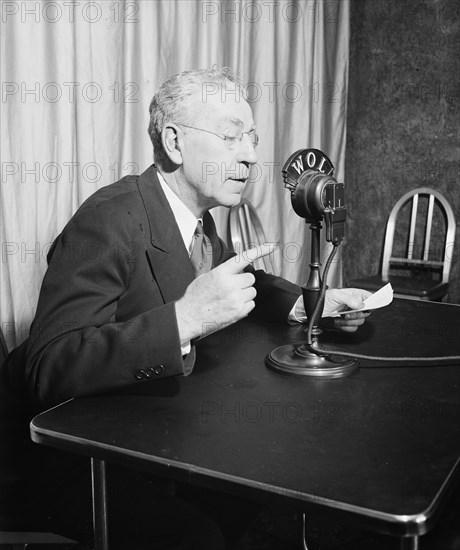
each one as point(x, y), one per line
point(185, 219)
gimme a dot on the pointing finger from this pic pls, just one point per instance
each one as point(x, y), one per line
point(246, 257)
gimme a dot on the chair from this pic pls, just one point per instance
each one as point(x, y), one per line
point(245, 231)
point(3, 348)
point(416, 268)
point(12, 533)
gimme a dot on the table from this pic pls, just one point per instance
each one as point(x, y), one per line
point(380, 447)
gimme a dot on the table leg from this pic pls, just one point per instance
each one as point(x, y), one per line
point(409, 543)
point(99, 489)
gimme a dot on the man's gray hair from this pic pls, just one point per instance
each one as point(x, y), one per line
point(172, 101)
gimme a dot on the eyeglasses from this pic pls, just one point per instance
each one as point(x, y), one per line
point(231, 141)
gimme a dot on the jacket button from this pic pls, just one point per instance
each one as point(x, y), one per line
point(140, 374)
point(159, 369)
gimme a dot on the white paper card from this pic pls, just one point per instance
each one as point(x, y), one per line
point(379, 299)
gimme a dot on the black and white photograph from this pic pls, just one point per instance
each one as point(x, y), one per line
point(230, 275)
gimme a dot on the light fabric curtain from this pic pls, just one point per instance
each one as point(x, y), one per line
point(77, 79)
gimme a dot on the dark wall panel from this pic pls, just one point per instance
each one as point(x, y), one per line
point(403, 119)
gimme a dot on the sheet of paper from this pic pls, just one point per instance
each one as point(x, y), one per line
point(379, 299)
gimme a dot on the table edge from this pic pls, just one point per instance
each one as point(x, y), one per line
point(406, 524)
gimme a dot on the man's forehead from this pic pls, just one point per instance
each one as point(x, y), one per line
point(233, 110)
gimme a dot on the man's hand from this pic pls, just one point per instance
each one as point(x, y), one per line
point(220, 297)
point(340, 299)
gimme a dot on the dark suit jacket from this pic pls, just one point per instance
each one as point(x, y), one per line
point(106, 317)
point(105, 320)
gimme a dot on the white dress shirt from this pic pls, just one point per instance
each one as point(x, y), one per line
point(185, 219)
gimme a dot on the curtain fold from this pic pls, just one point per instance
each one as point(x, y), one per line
point(77, 79)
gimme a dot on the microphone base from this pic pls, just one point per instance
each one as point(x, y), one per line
point(297, 359)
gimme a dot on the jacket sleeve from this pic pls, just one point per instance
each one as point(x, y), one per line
point(77, 345)
point(275, 297)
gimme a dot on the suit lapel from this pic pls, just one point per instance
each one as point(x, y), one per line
point(168, 257)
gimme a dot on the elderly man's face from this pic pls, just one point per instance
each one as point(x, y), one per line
point(215, 172)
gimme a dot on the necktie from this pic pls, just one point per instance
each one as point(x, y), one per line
point(201, 256)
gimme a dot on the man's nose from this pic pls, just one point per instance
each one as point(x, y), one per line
point(247, 150)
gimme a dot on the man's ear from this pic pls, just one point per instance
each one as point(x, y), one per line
point(172, 143)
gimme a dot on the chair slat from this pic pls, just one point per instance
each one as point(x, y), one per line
point(243, 228)
point(249, 227)
point(429, 222)
point(413, 223)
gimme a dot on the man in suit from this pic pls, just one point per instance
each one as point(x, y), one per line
point(123, 300)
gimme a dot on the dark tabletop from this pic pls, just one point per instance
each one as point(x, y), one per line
point(381, 445)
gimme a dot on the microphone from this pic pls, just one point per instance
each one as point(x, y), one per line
point(316, 196)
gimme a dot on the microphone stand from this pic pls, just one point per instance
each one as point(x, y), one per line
point(304, 358)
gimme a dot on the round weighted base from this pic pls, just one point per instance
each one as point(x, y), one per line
point(297, 359)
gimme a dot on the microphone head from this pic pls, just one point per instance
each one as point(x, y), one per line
point(315, 193)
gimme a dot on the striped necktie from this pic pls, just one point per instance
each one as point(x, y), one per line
point(201, 256)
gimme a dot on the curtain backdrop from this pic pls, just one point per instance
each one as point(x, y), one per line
point(77, 79)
